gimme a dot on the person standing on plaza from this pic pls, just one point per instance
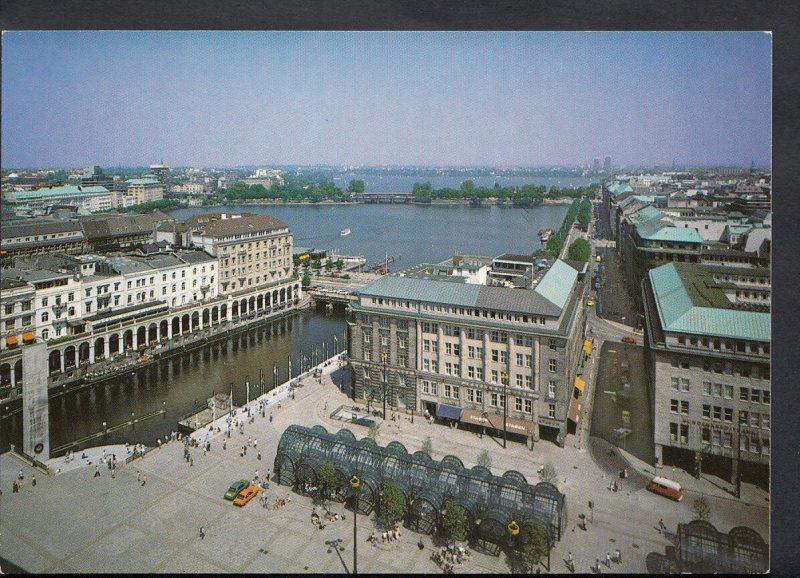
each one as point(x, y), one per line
point(97, 471)
point(661, 526)
point(144, 480)
point(608, 559)
point(202, 533)
point(618, 556)
point(138, 475)
point(33, 480)
point(259, 455)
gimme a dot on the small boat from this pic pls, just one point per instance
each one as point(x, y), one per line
point(344, 232)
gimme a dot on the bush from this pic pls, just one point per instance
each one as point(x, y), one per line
point(454, 521)
point(484, 459)
point(549, 475)
point(579, 250)
point(427, 446)
point(392, 503)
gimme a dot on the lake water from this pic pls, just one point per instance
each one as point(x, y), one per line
point(412, 233)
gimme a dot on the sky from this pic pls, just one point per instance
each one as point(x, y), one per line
point(218, 99)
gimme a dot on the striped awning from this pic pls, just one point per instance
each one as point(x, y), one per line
point(11, 340)
point(580, 384)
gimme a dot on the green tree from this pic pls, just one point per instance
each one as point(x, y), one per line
point(374, 431)
point(701, 508)
point(329, 264)
point(306, 279)
point(532, 544)
point(327, 480)
point(427, 446)
point(355, 187)
point(339, 265)
point(392, 503)
point(549, 475)
point(467, 186)
point(579, 250)
point(454, 521)
point(484, 459)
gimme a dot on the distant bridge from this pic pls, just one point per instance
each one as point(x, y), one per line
point(384, 197)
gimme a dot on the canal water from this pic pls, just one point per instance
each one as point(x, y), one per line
point(413, 234)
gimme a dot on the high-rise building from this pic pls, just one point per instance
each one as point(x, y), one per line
point(596, 166)
point(607, 165)
point(161, 172)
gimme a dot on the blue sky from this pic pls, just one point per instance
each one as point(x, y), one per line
point(450, 98)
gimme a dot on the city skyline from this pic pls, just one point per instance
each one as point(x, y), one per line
point(446, 99)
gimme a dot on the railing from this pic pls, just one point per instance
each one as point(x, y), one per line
point(33, 462)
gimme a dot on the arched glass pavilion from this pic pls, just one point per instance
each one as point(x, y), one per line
point(704, 549)
point(491, 502)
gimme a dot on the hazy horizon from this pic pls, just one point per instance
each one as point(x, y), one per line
point(371, 99)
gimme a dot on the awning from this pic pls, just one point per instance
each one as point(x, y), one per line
point(513, 425)
point(580, 384)
point(575, 410)
point(28, 336)
point(448, 411)
point(587, 346)
point(11, 340)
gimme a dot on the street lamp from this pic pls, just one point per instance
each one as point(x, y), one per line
point(384, 356)
point(504, 380)
point(739, 456)
point(355, 484)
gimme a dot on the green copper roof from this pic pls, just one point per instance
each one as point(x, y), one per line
point(556, 285)
point(641, 198)
point(58, 191)
point(689, 301)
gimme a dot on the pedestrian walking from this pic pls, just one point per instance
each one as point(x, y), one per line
point(608, 560)
point(661, 526)
point(241, 452)
point(202, 533)
point(255, 444)
point(256, 476)
point(14, 487)
point(144, 480)
point(224, 445)
point(138, 476)
point(259, 455)
point(618, 556)
point(113, 473)
point(33, 481)
point(97, 471)
point(191, 461)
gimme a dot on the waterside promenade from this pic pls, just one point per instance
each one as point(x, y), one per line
point(75, 522)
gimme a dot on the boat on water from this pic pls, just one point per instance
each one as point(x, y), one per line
point(344, 232)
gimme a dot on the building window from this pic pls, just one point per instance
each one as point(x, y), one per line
point(470, 395)
point(518, 403)
point(684, 433)
point(706, 411)
point(519, 358)
point(426, 345)
point(528, 360)
point(528, 406)
point(552, 365)
point(673, 405)
point(755, 395)
point(728, 392)
point(493, 399)
point(551, 388)
point(470, 372)
point(495, 355)
point(706, 435)
point(728, 414)
point(706, 388)
point(765, 395)
point(495, 376)
point(552, 410)
point(684, 384)
point(717, 413)
point(744, 394)
point(675, 383)
point(45, 317)
point(528, 382)
point(518, 380)
point(684, 407)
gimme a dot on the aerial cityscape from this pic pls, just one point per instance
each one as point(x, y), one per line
point(385, 302)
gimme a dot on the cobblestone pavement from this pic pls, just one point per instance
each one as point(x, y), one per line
point(74, 522)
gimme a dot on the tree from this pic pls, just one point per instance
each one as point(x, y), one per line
point(329, 264)
point(327, 480)
point(427, 446)
point(467, 186)
point(454, 521)
point(374, 431)
point(355, 187)
point(702, 509)
point(392, 503)
point(306, 279)
point(484, 459)
point(533, 544)
point(339, 265)
point(579, 250)
point(548, 474)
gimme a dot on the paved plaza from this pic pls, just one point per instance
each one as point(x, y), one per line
point(75, 522)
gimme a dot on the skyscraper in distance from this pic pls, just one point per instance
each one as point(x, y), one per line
point(607, 165)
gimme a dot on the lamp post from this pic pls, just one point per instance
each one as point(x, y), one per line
point(335, 345)
point(504, 380)
point(384, 356)
point(355, 483)
point(739, 456)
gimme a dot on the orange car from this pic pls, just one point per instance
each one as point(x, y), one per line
point(245, 495)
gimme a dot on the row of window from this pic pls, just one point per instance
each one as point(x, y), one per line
point(480, 313)
point(475, 396)
point(725, 345)
point(753, 371)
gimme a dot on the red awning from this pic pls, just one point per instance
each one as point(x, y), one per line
point(28, 336)
point(11, 340)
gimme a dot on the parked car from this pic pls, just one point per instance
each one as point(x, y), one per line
point(627, 339)
point(666, 488)
point(245, 495)
point(235, 488)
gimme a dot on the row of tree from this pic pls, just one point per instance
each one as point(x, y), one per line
point(527, 194)
point(295, 188)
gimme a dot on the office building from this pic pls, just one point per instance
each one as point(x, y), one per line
point(144, 190)
point(707, 345)
point(438, 338)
